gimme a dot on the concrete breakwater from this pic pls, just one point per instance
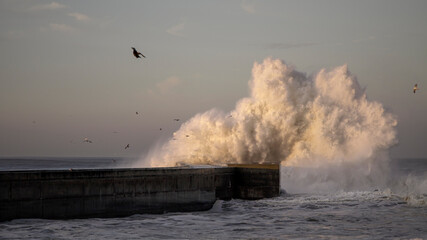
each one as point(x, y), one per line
point(82, 193)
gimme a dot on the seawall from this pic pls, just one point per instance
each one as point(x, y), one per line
point(83, 193)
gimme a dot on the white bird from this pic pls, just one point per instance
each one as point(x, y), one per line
point(87, 140)
point(415, 87)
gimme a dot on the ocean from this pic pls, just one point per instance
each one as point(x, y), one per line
point(396, 211)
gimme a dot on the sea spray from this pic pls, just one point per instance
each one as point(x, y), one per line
point(324, 121)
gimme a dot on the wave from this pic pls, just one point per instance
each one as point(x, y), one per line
point(323, 122)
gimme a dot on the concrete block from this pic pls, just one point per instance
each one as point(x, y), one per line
point(5, 191)
point(25, 190)
point(123, 192)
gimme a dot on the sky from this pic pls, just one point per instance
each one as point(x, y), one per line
point(67, 71)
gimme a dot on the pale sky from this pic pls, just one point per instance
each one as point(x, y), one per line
point(67, 71)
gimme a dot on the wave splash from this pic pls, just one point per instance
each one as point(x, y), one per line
point(324, 121)
point(289, 118)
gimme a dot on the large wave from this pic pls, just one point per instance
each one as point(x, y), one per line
point(288, 118)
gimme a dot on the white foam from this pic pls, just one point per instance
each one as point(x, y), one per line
point(324, 121)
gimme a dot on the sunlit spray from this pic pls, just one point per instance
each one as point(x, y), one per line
point(323, 123)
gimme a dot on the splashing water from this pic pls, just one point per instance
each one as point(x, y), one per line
point(301, 122)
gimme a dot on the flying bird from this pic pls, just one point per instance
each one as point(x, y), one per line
point(415, 87)
point(176, 119)
point(127, 146)
point(87, 140)
point(137, 113)
point(137, 54)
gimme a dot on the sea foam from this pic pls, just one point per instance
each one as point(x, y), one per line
point(324, 121)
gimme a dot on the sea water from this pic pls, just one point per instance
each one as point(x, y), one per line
point(382, 213)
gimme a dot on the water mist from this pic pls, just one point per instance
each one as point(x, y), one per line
point(322, 129)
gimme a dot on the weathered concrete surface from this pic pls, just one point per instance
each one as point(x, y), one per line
point(256, 181)
point(58, 194)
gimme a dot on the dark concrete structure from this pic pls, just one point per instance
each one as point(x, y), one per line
point(255, 181)
point(61, 194)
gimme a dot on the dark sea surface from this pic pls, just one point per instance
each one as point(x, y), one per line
point(378, 213)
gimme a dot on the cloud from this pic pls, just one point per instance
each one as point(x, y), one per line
point(290, 45)
point(248, 7)
point(79, 16)
point(168, 84)
point(50, 6)
point(176, 30)
point(61, 28)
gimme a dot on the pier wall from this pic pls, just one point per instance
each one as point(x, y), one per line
point(83, 193)
point(255, 181)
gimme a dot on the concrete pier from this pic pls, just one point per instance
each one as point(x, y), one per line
point(255, 181)
point(83, 193)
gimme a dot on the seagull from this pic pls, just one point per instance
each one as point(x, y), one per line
point(137, 54)
point(415, 87)
point(176, 119)
point(87, 140)
point(127, 146)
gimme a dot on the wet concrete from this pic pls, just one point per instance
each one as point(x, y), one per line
point(83, 193)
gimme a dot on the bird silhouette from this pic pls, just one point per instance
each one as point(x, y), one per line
point(87, 140)
point(176, 119)
point(137, 54)
point(127, 146)
point(415, 87)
